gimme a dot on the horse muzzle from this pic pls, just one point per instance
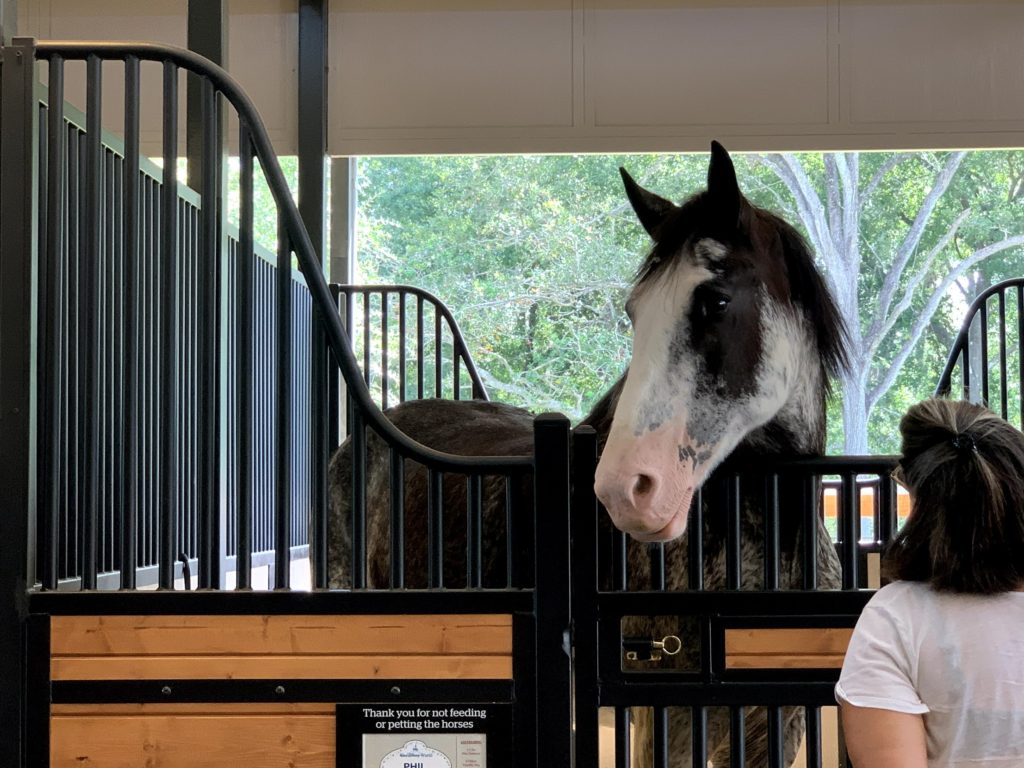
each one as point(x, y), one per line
point(644, 486)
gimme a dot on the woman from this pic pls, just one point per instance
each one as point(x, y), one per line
point(934, 674)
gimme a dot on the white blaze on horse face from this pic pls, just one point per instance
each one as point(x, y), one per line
point(640, 478)
point(675, 422)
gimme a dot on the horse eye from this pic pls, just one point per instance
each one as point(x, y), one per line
point(713, 304)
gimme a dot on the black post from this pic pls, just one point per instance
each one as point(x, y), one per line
point(312, 148)
point(554, 676)
point(207, 36)
point(584, 517)
point(19, 292)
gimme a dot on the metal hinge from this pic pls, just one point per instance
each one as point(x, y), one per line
point(644, 649)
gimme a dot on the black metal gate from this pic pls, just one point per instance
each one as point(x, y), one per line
point(170, 395)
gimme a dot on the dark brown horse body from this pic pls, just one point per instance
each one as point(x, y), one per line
point(735, 338)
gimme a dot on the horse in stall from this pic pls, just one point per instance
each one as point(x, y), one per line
point(735, 339)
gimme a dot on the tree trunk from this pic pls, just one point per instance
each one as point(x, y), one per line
point(855, 414)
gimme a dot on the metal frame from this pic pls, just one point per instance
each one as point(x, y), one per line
point(572, 598)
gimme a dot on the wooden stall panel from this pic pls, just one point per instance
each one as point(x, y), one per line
point(804, 648)
point(267, 647)
point(193, 741)
point(266, 635)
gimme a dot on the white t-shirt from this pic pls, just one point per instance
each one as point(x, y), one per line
point(958, 660)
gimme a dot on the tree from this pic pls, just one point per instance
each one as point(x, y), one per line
point(890, 279)
point(535, 256)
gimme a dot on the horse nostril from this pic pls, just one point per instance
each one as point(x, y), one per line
point(643, 486)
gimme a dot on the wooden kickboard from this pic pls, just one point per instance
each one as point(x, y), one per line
point(804, 648)
point(266, 647)
point(208, 736)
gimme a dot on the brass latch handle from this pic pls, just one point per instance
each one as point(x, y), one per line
point(643, 649)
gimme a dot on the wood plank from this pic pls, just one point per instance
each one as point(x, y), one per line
point(298, 741)
point(784, 661)
point(818, 647)
point(449, 667)
point(268, 635)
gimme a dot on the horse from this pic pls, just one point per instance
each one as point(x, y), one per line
point(735, 340)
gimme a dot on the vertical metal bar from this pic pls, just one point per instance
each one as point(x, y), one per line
point(474, 531)
point(552, 498)
point(732, 538)
point(695, 542)
point(366, 337)
point(51, 406)
point(775, 742)
point(967, 362)
point(1020, 356)
point(456, 394)
point(419, 347)
point(1002, 356)
point(19, 295)
point(401, 347)
point(699, 734)
point(435, 529)
point(210, 286)
point(811, 493)
point(437, 352)
point(737, 736)
point(850, 510)
point(511, 534)
point(396, 487)
point(244, 342)
point(91, 242)
point(358, 522)
point(384, 350)
point(886, 509)
point(620, 560)
point(622, 745)
point(983, 312)
point(132, 313)
point(285, 387)
point(661, 737)
point(656, 554)
point(771, 533)
point(812, 736)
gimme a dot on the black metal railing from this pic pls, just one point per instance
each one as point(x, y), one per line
point(985, 363)
point(178, 440)
point(732, 571)
point(185, 390)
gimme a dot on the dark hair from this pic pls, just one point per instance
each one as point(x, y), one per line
point(964, 468)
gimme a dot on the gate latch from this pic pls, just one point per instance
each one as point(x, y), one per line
point(643, 649)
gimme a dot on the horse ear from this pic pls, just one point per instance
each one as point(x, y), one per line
point(649, 208)
point(723, 189)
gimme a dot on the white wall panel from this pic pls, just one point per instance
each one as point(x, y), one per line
point(407, 64)
point(933, 62)
point(693, 62)
point(419, 76)
point(262, 55)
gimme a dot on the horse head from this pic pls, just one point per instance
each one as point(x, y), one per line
point(734, 338)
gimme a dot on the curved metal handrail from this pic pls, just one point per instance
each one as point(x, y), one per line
point(308, 262)
point(962, 339)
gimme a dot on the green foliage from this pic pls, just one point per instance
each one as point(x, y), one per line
point(535, 255)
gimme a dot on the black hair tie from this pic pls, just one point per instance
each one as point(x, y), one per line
point(964, 443)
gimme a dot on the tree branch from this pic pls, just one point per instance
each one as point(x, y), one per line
point(881, 173)
point(917, 278)
point(940, 184)
point(925, 316)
